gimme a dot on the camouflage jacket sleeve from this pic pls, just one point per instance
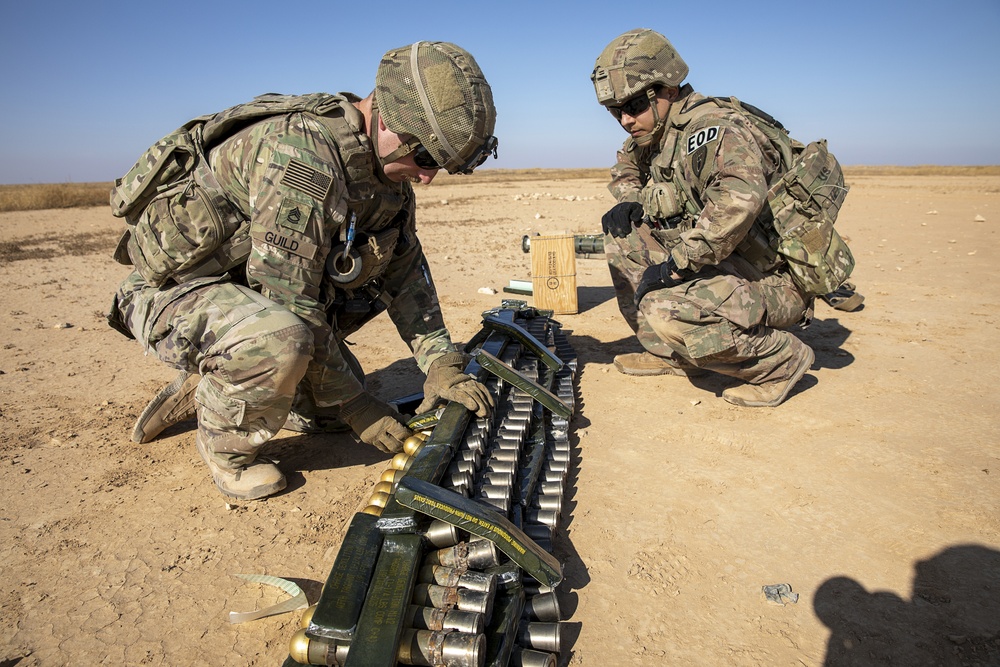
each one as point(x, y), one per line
point(723, 169)
point(414, 306)
point(627, 178)
point(287, 172)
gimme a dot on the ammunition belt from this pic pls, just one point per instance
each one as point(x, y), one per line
point(450, 563)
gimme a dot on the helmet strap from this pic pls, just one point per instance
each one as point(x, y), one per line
point(404, 149)
point(374, 134)
point(660, 123)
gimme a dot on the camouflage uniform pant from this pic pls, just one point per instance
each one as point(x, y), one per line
point(251, 354)
point(723, 322)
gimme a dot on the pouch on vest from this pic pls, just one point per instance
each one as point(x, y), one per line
point(160, 166)
point(180, 224)
point(183, 225)
point(804, 205)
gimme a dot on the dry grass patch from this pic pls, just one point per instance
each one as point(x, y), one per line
point(923, 170)
point(68, 195)
point(53, 195)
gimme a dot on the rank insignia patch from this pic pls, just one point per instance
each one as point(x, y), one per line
point(302, 177)
point(294, 215)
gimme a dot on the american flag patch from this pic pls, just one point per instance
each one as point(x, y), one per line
point(302, 177)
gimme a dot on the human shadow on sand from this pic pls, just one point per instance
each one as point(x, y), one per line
point(827, 337)
point(951, 618)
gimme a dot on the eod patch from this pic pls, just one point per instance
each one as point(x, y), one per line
point(702, 137)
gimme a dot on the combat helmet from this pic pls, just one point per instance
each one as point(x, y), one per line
point(435, 92)
point(633, 62)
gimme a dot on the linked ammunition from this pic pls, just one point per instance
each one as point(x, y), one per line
point(477, 555)
point(433, 618)
point(451, 649)
point(543, 607)
point(449, 563)
point(459, 577)
point(307, 651)
point(526, 657)
point(540, 636)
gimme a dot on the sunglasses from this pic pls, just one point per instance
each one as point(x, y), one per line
point(423, 158)
point(633, 107)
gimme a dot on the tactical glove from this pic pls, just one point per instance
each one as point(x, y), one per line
point(446, 381)
point(620, 220)
point(659, 276)
point(375, 422)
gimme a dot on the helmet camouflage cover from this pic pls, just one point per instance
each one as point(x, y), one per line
point(633, 62)
point(436, 92)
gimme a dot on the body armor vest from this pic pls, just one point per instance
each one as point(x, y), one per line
point(182, 226)
point(795, 227)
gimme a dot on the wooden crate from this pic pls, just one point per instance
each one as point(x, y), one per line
point(553, 273)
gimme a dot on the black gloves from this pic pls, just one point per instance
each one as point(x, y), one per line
point(620, 219)
point(658, 276)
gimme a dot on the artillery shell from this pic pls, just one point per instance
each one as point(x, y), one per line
point(526, 657)
point(307, 616)
point(547, 517)
point(379, 499)
point(441, 534)
point(539, 636)
point(431, 618)
point(543, 607)
point(547, 502)
point(401, 461)
point(392, 476)
point(309, 651)
point(453, 649)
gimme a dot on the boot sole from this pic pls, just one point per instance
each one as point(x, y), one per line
point(139, 433)
point(803, 366)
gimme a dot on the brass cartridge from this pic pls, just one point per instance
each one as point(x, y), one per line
point(308, 651)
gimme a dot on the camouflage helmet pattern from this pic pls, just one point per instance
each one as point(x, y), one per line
point(436, 92)
point(633, 62)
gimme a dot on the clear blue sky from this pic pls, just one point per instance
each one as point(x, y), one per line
point(85, 87)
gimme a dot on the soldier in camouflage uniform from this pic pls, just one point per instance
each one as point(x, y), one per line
point(311, 233)
point(691, 181)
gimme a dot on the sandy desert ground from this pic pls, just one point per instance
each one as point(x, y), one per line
point(873, 491)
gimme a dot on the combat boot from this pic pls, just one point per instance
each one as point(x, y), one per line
point(773, 392)
point(174, 404)
point(646, 363)
point(256, 479)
